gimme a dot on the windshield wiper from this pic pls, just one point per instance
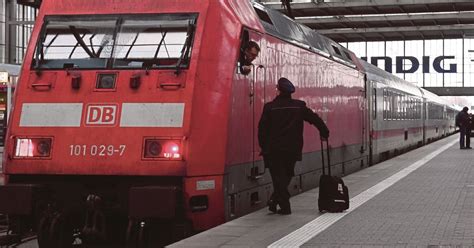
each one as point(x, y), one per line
point(186, 47)
point(131, 46)
point(75, 47)
point(163, 35)
point(118, 25)
point(92, 45)
point(81, 42)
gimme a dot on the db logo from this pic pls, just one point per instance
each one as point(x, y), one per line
point(101, 115)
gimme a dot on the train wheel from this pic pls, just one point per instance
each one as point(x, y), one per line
point(43, 232)
point(61, 232)
point(54, 231)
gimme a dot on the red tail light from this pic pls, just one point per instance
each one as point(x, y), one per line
point(163, 149)
point(33, 147)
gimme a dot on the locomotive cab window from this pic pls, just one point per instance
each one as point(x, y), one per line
point(263, 16)
point(249, 51)
point(336, 50)
point(120, 42)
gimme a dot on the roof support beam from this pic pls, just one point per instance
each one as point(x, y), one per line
point(386, 17)
point(21, 22)
point(451, 91)
point(397, 29)
point(349, 4)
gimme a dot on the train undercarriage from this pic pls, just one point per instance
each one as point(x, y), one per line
point(71, 211)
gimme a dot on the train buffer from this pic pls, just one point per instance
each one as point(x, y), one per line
point(423, 198)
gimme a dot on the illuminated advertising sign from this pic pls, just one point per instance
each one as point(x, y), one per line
point(410, 64)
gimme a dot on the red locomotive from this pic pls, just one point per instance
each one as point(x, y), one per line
point(133, 118)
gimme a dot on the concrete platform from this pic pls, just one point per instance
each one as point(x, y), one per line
point(424, 198)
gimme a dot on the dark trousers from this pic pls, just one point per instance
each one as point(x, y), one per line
point(281, 170)
point(468, 137)
point(464, 137)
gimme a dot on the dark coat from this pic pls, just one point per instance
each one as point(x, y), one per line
point(462, 120)
point(280, 130)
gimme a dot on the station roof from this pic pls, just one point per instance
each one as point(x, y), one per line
point(383, 20)
point(369, 20)
point(13, 70)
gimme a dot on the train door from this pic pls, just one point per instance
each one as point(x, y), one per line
point(424, 116)
point(243, 155)
point(247, 106)
point(365, 115)
point(371, 115)
point(257, 100)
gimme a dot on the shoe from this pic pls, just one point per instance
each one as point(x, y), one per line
point(468, 147)
point(272, 206)
point(284, 211)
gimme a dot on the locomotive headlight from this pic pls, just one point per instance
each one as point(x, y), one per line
point(23, 148)
point(162, 149)
point(32, 147)
point(152, 148)
point(43, 147)
point(106, 81)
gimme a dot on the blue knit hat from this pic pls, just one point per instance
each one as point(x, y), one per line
point(285, 85)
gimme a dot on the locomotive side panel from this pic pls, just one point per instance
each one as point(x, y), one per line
point(332, 90)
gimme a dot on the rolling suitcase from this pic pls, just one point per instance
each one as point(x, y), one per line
point(333, 194)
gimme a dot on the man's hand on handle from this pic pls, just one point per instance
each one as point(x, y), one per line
point(324, 135)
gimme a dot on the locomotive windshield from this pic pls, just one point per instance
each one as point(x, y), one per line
point(115, 42)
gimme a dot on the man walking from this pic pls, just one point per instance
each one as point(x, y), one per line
point(280, 136)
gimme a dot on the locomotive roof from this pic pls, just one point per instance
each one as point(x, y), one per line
point(279, 25)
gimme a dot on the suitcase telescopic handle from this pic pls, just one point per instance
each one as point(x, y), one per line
point(327, 153)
